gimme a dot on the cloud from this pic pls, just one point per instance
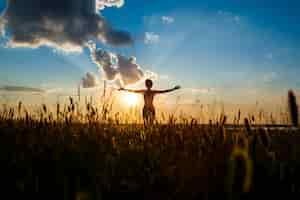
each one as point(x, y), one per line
point(151, 75)
point(202, 90)
point(229, 17)
point(237, 19)
point(71, 25)
point(164, 77)
point(21, 89)
point(89, 81)
point(54, 90)
point(269, 56)
point(117, 67)
point(155, 76)
point(269, 77)
point(2, 27)
point(101, 4)
point(130, 72)
point(151, 38)
point(62, 24)
point(167, 19)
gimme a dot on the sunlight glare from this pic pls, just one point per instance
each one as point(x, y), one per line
point(131, 99)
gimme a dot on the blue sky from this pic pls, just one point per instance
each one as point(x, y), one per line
point(233, 49)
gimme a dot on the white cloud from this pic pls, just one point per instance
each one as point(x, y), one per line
point(202, 90)
point(151, 38)
point(164, 77)
point(151, 75)
point(54, 90)
point(167, 19)
point(237, 19)
point(101, 4)
point(269, 56)
point(229, 17)
point(269, 77)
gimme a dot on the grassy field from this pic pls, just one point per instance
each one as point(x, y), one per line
point(70, 155)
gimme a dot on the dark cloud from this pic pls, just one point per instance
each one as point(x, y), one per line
point(70, 25)
point(21, 89)
point(130, 72)
point(89, 81)
point(63, 24)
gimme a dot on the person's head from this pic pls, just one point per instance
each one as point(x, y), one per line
point(148, 83)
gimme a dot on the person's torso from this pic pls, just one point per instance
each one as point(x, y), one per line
point(148, 99)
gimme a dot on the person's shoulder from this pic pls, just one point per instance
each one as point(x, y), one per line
point(142, 91)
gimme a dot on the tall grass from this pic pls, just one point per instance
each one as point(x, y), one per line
point(76, 152)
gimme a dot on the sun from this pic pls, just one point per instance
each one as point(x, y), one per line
point(131, 99)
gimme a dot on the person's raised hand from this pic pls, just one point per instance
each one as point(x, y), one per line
point(177, 87)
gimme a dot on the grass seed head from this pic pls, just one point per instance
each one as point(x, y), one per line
point(293, 108)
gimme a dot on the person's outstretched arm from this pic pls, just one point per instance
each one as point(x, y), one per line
point(133, 91)
point(166, 91)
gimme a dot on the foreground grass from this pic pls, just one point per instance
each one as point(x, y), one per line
point(93, 161)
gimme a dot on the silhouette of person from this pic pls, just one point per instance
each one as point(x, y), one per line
point(149, 109)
